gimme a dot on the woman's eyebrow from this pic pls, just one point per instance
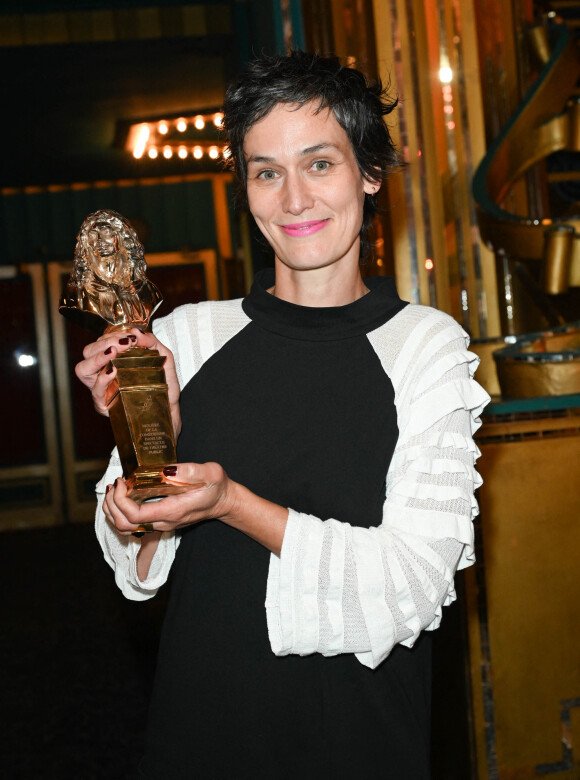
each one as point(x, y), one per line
point(261, 158)
point(318, 148)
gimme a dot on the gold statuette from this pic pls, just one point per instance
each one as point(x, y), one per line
point(109, 292)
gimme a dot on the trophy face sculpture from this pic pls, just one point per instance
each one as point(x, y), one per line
point(109, 292)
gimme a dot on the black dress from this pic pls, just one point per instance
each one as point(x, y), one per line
point(297, 408)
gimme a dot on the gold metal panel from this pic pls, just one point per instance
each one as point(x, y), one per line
point(544, 364)
point(530, 507)
point(537, 379)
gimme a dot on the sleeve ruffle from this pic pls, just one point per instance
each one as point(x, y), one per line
point(420, 500)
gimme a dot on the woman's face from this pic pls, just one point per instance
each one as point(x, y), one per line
point(304, 187)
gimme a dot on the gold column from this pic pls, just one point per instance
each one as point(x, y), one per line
point(428, 50)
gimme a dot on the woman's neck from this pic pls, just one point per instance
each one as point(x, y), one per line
point(328, 286)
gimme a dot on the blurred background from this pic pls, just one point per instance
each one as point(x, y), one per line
point(117, 105)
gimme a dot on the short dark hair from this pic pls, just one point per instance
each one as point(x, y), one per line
point(358, 105)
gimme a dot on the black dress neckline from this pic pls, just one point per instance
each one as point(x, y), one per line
point(324, 323)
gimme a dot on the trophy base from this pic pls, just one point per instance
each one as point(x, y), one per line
point(149, 483)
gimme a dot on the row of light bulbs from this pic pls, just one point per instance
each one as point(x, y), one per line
point(199, 122)
point(183, 152)
point(158, 138)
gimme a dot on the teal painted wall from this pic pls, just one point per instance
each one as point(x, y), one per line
point(44, 225)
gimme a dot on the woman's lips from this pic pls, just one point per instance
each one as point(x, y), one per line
point(304, 228)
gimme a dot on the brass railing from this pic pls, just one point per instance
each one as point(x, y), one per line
point(547, 121)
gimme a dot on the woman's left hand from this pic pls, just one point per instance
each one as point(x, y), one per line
point(211, 496)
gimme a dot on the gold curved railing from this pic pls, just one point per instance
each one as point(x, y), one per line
point(547, 121)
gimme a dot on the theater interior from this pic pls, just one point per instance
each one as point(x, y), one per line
point(116, 105)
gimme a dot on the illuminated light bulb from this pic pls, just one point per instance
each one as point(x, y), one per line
point(163, 127)
point(25, 361)
point(214, 152)
point(218, 119)
point(182, 152)
point(380, 262)
point(197, 152)
point(227, 153)
point(181, 125)
point(167, 152)
point(445, 75)
point(429, 264)
point(199, 122)
point(153, 153)
point(142, 138)
point(451, 125)
point(448, 109)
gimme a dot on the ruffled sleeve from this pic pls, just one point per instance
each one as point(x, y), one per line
point(338, 588)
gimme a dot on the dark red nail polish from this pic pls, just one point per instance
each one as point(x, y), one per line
point(132, 337)
point(108, 350)
point(124, 340)
point(108, 488)
point(170, 471)
point(138, 534)
point(115, 483)
point(109, 370)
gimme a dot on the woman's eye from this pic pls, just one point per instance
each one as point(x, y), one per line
point(268, 175)
point(321, 165)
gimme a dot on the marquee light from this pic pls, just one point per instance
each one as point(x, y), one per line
point(184, 136)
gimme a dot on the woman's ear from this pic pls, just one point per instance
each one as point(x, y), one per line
point(371, 187)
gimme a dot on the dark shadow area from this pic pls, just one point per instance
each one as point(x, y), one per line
point(78, 659)
point(71, 97)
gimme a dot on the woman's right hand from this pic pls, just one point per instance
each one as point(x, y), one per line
point(91, 370)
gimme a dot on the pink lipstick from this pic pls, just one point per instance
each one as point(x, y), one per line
point(298, 229)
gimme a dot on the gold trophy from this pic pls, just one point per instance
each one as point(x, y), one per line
point(109, 292)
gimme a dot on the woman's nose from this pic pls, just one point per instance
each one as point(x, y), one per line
point(297, 196)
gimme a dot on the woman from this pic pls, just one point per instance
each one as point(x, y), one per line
point(332, 426)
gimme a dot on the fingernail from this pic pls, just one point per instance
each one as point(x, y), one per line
point(138, 534)
point(116, 481)
point(109, 369)
point(170, 471)
point(108, 488)
point(108, 350)
point(133, 338)
point(124, 340)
